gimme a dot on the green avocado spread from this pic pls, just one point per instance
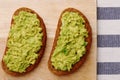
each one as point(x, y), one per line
point(71, 44)
point(24, 42)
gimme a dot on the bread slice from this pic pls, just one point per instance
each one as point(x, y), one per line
point(40, 52)
point(83, 58)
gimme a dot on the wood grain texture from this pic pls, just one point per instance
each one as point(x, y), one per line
point(50, 12)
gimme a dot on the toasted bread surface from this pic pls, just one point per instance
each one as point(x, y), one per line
point(40, 52)
point(77, 65)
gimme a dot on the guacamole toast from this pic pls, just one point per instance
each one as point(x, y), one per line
point(71, 44)
point(26, 42)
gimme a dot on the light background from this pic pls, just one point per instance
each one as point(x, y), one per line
point(50, 12)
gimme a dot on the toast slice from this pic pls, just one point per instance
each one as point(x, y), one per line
point(41, 50)
point(77, 65)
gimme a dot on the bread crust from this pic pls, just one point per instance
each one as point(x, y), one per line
point(40, 52)
point(83, 58)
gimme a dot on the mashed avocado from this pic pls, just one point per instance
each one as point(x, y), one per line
point(71, 44)
point(24, 42)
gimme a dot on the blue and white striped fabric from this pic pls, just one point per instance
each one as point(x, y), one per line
point(108, 15)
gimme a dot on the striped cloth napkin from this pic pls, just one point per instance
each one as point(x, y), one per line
point(108, 15)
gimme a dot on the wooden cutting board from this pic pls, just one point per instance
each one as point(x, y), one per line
point(50, 12)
